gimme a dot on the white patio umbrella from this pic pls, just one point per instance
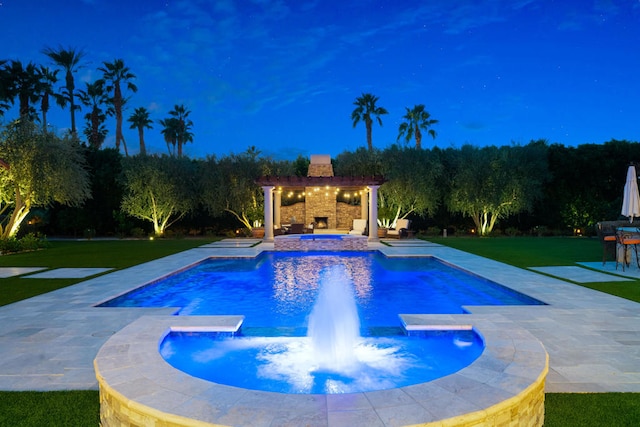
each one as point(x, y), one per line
point(631, 200)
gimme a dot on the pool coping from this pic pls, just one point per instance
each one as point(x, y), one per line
point(48, 342)
point(130, 367)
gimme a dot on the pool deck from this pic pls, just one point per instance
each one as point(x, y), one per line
point(49, 342)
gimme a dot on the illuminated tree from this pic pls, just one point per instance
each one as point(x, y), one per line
point(490, 183)
point(413, 184)
point(38, 169)
point(415, 120)
point(116, 74)
point(366, 110)
point(159, 189)
point(229, 186)
point(69, 60)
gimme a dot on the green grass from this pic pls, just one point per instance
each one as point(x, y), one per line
point(526, 252)
point(592, 410)
point(116, 254)
point(81, 408)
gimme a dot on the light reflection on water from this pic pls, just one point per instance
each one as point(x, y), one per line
point(278, 289)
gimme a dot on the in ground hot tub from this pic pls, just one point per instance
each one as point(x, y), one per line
point(320, 242)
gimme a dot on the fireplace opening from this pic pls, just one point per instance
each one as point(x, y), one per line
point(321, 222)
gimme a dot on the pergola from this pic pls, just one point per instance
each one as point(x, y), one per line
point(274, 186)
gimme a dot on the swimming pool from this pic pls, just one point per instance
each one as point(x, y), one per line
point(277, 289)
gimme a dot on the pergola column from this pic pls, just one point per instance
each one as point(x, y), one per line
point(373, 212)
point(276, 208)
point(268, 213)
point(364, 205)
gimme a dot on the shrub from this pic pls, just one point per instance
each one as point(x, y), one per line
point(137, 232)
point(29, 242)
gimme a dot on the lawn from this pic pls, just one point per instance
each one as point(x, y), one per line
point(116, 254)
point(526, 252)
point(81, 408)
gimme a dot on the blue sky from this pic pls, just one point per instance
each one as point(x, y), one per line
point(282, 75)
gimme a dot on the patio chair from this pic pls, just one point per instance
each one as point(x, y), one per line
point(607, 235)
point(359, 227)
point(401, 230)
point(625, 239)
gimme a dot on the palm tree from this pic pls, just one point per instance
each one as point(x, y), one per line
point(114, 74)
point(4, 88)
point(365, 109)
point(170, 132)
point(69, 60)
point(416, 118)
point(47, 80)
point(22, 82)
point(183, 126)
point(140, 120)
point(95, 97)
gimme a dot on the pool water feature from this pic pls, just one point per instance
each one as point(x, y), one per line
point(507, 378)
point(332, 358)
point(278, 289)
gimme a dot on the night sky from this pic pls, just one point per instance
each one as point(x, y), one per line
point(283, 75)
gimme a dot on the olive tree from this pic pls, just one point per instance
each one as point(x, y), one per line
point(229, 185)
point(37, 169)
point(490, 183)
point(413, 183)
point(159, 189)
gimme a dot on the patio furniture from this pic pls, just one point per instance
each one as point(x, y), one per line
point(401, 230)
point(359, 227)
point(607, 234)
point(626, 237)
point(296, 228)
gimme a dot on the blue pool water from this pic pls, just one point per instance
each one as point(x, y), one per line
point(288, 364)
point(278, 289)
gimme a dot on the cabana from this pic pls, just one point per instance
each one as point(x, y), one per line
point(324, 203)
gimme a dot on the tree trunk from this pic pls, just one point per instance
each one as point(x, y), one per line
point(19, 213)
point(368, 124)
point(143, 148)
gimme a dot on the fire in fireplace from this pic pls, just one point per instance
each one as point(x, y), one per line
point(321, 222)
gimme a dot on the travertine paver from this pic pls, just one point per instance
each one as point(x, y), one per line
point(68, 273)
point(593, 339)
point(16, 271)
point(579, 274)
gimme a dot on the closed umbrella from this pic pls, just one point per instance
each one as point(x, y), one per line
point(631, 200)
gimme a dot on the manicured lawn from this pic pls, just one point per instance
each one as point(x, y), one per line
point(544, 251)
point(592, 410)
point(81, 408)
point(78, 408)
point(116, 254)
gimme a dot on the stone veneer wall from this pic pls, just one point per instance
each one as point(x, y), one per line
point(346, 213)
point(319, 204)
point(297, 210)
point(525, 409)
point(348, 243)
point(344, 216)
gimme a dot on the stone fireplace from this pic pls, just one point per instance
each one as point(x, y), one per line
point(321, 222)
point(321, 201)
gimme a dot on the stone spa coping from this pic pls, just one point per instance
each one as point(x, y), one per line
point(506, 381)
